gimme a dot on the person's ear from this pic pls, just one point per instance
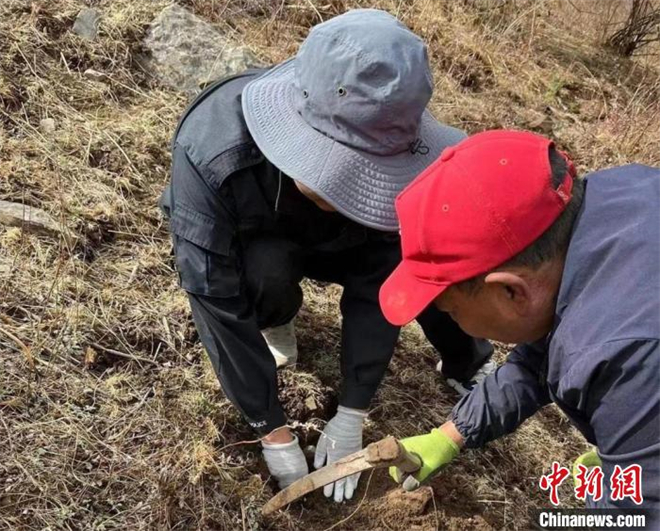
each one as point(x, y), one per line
point(512, 290)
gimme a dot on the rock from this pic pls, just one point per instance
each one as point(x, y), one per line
point(27, 217)
point(538, 121)
point(87, 23)
point(409, 503)
point(187, 52)
point(47, 126)
point(94, 75)
point(310, 403)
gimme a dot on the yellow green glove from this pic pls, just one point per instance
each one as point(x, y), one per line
point(435, 449)
point(587, 459)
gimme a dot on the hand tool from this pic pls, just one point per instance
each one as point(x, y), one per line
point(380, 454)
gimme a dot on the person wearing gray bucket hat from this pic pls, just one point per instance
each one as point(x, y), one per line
point(353, 127)
point(291, 172)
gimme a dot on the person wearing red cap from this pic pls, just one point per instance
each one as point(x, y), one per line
point(500, 233)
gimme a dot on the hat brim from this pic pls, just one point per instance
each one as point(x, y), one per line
point(403, 296)
point(360, 185)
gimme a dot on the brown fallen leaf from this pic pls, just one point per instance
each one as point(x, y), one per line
point(91, 358)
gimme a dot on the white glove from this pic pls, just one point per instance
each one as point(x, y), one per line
point(286, 462)
point(341, 437)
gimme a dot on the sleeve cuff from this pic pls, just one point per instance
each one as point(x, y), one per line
point(274, 419)
point(469, 433)
point(357, 396)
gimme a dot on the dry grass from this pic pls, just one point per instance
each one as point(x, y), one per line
point(110, 417)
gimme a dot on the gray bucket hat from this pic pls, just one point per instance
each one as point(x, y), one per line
point(347, 115)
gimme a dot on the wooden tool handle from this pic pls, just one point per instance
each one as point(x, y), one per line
point(407, 462)
point(390, 452)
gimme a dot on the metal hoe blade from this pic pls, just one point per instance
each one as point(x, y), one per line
point(384, 453)
point(348, 466)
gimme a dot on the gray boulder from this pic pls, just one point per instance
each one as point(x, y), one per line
point(28, 218)
point(87, 23)
point(186, 52)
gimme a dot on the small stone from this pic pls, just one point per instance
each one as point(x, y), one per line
point(47, 126)
point(94, 75)
point(538, 121)
point(87, 23)
point(310, 403)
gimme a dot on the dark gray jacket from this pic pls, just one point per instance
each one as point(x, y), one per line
point(224, 193)
point(224, 197)
point(601, 363)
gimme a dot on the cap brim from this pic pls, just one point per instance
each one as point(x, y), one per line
point(360, 185)
point(403, 296)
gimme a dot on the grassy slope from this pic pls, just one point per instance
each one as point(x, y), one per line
point(111, 418)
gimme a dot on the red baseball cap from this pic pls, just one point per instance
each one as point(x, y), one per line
point(481, 203)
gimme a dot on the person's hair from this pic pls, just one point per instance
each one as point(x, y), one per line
point(554, 241)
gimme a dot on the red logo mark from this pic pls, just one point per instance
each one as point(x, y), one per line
point(589, 482)
point(627, 483)
point(553, 480)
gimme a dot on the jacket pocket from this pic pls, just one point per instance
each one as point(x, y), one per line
point(205, 231)
point(205, 257)
point(202, 272)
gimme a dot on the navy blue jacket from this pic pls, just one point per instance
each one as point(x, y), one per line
point(601, 362)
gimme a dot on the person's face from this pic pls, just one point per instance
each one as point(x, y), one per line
point(315, 198)
point(508, 307)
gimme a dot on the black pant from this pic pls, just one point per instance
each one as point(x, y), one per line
point(275, 267)
point(270, 271)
